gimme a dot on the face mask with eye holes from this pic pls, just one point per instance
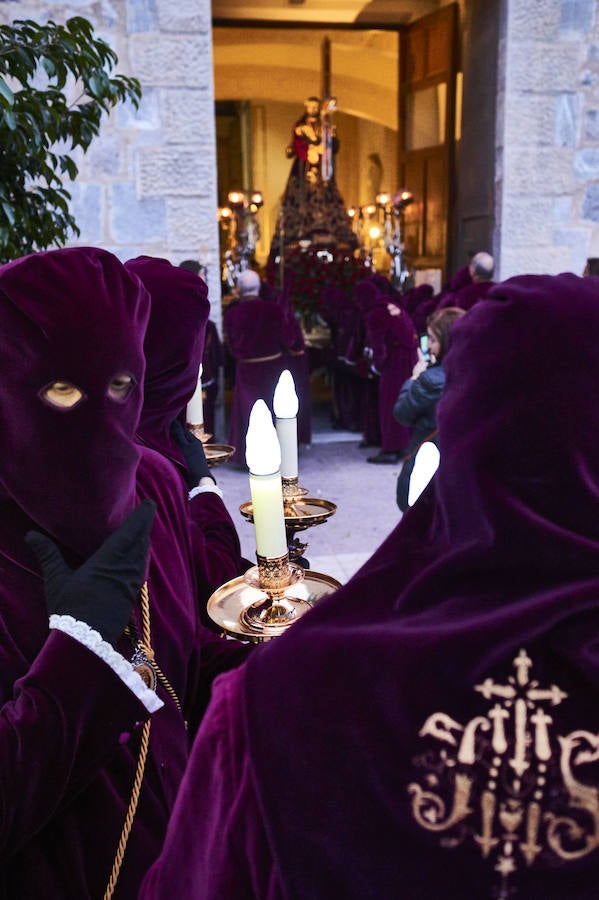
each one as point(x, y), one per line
point(64, 395)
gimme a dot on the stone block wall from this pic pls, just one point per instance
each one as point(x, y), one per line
point(148, 183)
point(547, 163)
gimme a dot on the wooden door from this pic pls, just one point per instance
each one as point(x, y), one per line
point(427, 105)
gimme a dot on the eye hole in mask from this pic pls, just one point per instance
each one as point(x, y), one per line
point(61, 395)
point(121, 386)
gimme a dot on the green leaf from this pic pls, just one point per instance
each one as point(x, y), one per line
point(8, 212)
point(37, 126)
point(49, 66)
point(7, 98)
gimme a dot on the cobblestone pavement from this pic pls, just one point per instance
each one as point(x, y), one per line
point(332, 468)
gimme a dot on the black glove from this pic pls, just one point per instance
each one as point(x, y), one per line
point(193, 451)
point(103, 590)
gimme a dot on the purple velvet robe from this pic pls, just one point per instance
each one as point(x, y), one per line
point(174, 348)
point(212, 363)
point(421, 313)
point(446, 740)
point(391, 336)
point(198, 860)
point(69, 726)
point(257, 338)
point(458, 280)
point(342, 315)
point(296, 360)
point(417, 295)
point(367, 298)
point(467, 296)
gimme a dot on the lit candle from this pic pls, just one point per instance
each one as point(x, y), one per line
point(286, 407)
point(425, 466)
point(195, 408)
point(263, 456)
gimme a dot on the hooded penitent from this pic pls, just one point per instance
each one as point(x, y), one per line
point(446, 743)
point(70, 469)
point(173, 346)
point(69, 735)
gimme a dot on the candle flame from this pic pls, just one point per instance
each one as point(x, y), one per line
point(262, 450)
point(286, 404)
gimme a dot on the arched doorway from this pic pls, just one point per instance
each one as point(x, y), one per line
point(396, 89)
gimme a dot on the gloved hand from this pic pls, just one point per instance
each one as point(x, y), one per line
point(103, 590)
point(193, 452)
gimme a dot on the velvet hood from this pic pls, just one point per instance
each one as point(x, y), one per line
point(70, 470)
point(174, 346)
point(367, 296)
point(447, 739)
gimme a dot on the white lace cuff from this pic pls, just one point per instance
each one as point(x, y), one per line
point(205, 489)
point(91, 639)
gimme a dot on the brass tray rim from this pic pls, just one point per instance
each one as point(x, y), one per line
point(222, 454)
point(238, 583)
point(329, 509)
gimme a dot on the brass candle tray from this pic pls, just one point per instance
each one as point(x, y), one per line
point(228, 607)
point(299, 514)
point(216, 454)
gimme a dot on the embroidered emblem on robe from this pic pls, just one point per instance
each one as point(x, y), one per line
point(507, 781)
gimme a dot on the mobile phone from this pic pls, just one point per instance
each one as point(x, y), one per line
point(424, 347)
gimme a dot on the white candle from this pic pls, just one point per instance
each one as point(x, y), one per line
point(425, 466)
point(263, 456)
point(286, 407)
point(195, 407)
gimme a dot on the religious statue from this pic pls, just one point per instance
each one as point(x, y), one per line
point(312, 208)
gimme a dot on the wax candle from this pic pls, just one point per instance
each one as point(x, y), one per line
point(195, 408)
point(286, 408)
point(263, 456)
point(425, 466)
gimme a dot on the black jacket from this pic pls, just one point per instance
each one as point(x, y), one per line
point(417, 403)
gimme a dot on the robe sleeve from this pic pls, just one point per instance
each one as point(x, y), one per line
point(215, 542)
point(67, 716)
point(294, 338)
point(216, 846)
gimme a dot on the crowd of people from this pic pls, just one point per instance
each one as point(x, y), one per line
point(374, 349)
point(443, 742)
point(375, 338)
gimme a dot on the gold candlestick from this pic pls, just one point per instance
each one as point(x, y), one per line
point(274, 577)
point(292, 492)
point(198, 430)
point(263, 602)
point(301, 512)
point(216, 454)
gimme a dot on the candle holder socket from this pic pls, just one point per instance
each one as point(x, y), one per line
point(199, 431)
point(292, 492)
point(300, 513)
point(273, 576)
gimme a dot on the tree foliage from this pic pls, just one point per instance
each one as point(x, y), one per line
point(40, 125)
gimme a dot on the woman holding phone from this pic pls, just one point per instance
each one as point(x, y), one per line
point(417, 402)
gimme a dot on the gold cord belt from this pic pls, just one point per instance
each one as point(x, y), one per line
point(145, 645)
point(262, 358)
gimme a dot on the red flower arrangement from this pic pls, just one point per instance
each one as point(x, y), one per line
point(315, 268)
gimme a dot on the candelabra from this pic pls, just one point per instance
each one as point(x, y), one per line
point(269, 597)
point(242, 231)
point(392, 209)
point(378, 225)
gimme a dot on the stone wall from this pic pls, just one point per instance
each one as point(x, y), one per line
point(547, 164)
point(148, 183)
